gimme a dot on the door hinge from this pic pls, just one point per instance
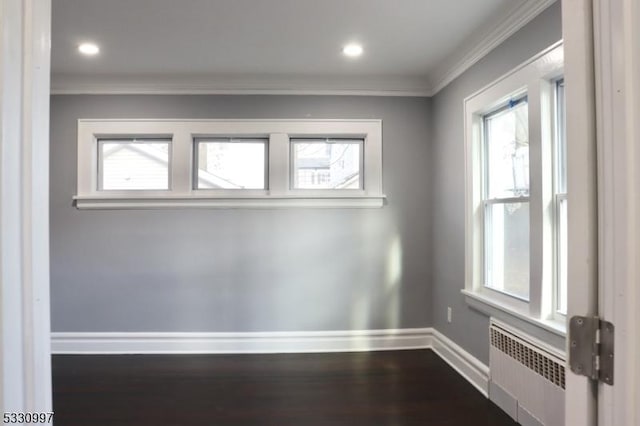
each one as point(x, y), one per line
point(591, 348)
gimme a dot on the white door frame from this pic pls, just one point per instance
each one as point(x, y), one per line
point(617, 61)
point(24, 160)
point(25, 360)
point(602, 74)
point(577, 28)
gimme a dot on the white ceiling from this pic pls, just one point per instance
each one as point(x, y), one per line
point(268, 44)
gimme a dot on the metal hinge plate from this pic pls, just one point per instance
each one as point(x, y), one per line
point(591, 348)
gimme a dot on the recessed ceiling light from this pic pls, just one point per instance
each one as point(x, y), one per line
point(89, 49)
point(352, 50)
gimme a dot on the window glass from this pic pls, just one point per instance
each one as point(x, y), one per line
point(326, 163)
point(507, 240)
point(562, 258)
point(506, 175)
point(561, 138)
point(133, 164)
point(231, 164)
point(507, 151)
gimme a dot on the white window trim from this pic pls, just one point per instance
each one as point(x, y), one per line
point(184, 132)
point(536, 78)
point(558, 197)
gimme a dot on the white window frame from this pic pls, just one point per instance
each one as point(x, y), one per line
point(184, 133)
point(535, 78)
point(488, 201)
point(559, 196)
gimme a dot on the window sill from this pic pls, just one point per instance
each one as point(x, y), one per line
point(251, 202)
point(489, 306)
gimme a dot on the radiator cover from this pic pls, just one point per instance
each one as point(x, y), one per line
point(527, 379)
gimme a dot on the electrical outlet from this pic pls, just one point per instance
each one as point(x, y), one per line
point(449, 313)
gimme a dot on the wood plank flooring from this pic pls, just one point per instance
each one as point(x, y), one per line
point(394, 388)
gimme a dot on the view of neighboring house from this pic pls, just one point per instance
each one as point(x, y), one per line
point(327, 164)
point(229, 164)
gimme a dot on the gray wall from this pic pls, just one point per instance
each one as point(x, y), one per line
point(470, 327)
point(245, 270)
point(278, 270)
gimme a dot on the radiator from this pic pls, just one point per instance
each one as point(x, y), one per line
point(527, 378)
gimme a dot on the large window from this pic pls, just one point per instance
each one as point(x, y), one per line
point(516, 193)
point(229, 163)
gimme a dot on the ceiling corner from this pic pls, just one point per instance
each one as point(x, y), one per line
point(484, 41)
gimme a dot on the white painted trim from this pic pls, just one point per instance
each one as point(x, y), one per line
point(233, 85)
point(468, 366)
point(88, 343)
point(181, 90)
point(577, 29)
point(251, 342)
point(183, 133)
point(265, 202)
point(25, 368)
point(483, 42)
point(617, 83)
point(551, 326)
point(515, 70)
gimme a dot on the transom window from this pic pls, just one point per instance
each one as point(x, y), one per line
point(229, 163)
point(326, 163)
point(133, 164)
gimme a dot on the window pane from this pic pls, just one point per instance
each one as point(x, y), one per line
point(231, 164)
point(326, 163)
point(561, 200)
point(561, 140)
point(562, 256)
point(133, 164)
point(507, 248)
point(507, 151)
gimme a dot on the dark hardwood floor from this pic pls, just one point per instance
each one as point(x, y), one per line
point(394, 388)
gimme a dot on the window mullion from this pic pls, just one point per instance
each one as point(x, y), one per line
point(278, 164)
point(180, 161)
point(540, 226)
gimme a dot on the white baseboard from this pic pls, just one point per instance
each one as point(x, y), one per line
point(468, 366)
point(256, 342)
point(460, 360)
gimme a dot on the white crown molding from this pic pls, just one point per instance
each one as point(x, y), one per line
point(468, 366)
point(475, 48)
point(255, 342)
point(484, 41)
point(240, 85)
